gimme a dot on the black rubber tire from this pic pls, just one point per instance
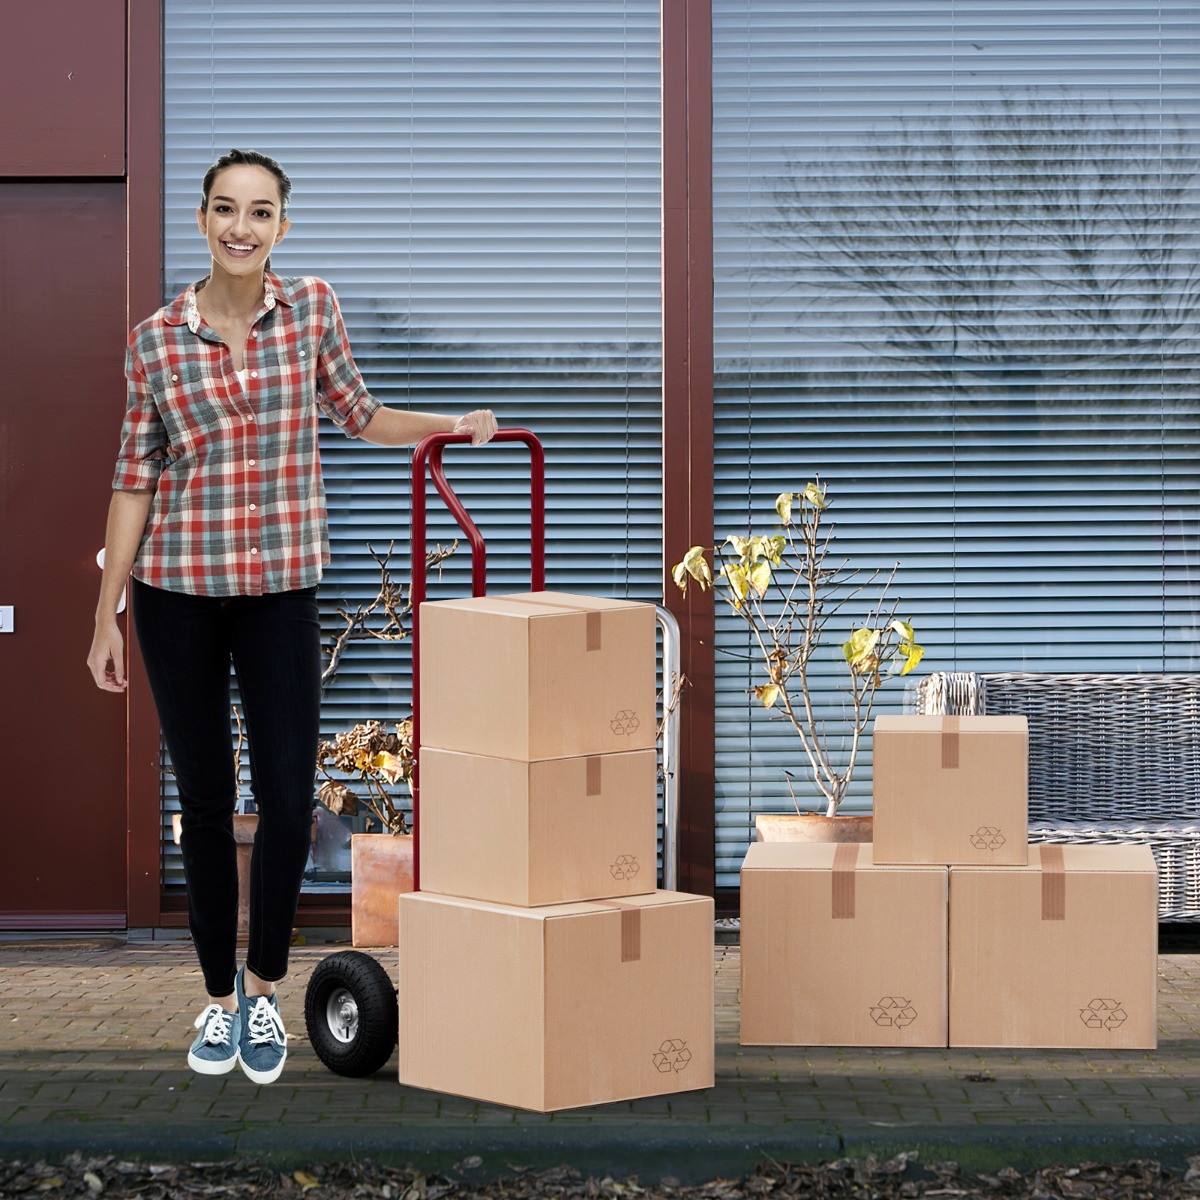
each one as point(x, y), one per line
point(373, 993)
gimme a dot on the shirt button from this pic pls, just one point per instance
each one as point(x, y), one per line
point(253, 463)
point(253, 549)
point(254, 333)
point(253, 374)
point(253, 507)
point(301, 353)
point(249, 416)
point(174, 378)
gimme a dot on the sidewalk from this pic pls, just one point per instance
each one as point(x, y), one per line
point(94, 1033)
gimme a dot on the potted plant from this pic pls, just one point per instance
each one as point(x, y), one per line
point(787, 589)
point(380, 867)
point(380, 756)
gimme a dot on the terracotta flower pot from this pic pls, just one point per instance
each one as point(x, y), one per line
point(811, 827)
point(381, 867)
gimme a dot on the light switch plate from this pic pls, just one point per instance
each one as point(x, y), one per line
point(6, 618)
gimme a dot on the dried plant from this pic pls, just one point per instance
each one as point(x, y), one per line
point(379, 759)
point(787, 589)
point(392, 601)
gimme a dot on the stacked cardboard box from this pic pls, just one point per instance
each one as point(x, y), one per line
point(950, 929)
point(539, 965)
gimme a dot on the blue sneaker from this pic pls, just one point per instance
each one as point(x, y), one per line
point(262, 1047)
point(215, 1051)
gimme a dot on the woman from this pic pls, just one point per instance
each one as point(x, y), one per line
point(218, 510)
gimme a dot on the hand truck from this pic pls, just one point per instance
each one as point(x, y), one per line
point(350, 1005)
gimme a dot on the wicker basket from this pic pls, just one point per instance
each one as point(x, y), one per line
point(1112, 758)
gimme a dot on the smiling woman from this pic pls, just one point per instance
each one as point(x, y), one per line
point(218, 510)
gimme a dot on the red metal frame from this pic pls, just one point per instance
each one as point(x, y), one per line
point(427, 460)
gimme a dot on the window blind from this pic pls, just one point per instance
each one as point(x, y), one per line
point(955, 246)
point(480, 183)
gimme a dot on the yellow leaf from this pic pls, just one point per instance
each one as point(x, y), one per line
point(305, 1180)
point(778, 545)
point(680, 575)
point(760, 577)
point(913, 653)
point(739, 544)
point(860, 649)
point(388, 765)
point(783, 506)
point(768, 693)
point(738, 582)
point(815, 495)
point(903, 628)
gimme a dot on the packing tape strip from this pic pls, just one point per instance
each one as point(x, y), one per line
point(592, 615)
point(845, 862)
point(631, 928)
point(950, 739)
point(1054, 884)
point(593, 775)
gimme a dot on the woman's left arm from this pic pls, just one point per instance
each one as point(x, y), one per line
point(395, 427)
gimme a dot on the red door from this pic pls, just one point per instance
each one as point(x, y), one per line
point(63, 312)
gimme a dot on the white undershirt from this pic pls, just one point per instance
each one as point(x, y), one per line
point(242, 378)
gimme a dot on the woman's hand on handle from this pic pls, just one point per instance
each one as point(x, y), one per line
point(480, 424)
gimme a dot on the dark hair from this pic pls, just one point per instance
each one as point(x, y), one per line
point(252, 158)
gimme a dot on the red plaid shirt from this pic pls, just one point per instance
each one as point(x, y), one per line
point(239, 505)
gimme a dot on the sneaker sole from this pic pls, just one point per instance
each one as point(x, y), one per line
point(263, 1076)
point(208, 1066)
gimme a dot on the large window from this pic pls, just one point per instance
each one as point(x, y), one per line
point(956, 249)
point(480, 183)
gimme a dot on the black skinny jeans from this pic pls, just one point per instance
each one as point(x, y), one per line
point(274, 644)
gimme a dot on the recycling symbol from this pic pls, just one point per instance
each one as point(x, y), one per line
point(1103, 1014)
point(987, 837)
point(625, 867)
point(625, 722)
point(893, 1010)
point(672, 1055)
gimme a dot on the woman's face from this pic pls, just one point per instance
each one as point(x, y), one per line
point(243, 221)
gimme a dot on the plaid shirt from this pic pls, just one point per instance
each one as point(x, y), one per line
point(239, 505)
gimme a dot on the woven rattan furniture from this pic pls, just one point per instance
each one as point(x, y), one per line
point(1112, 758)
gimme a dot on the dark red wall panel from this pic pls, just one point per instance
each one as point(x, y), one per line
point(62, 308)
point(63, 88)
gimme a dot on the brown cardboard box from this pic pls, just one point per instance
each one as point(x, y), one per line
point(538, 675)
point(950, 790)
point(557, 1007)
point(1060, 953)
point(840, 951)
point(547, 832)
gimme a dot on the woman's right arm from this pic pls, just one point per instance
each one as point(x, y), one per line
point(127, 514)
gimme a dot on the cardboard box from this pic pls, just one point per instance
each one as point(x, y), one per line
point(951, 790)
point(1060, 953)
point(549, 1008)
point(838, 950)
point(547, 832)
point(538, 675)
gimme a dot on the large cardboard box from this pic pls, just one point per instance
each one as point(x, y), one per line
point(547, 832)
point(950, 790)
point(549, 1008)
point(838, 950)
point(538, 675)
point(1059, 953)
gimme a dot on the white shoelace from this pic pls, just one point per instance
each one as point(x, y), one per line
point(217, 1025)
point(265, 1024)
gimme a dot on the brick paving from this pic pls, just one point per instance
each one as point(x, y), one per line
point(94, 1032)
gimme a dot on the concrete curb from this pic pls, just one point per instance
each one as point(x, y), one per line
point(690, 1154)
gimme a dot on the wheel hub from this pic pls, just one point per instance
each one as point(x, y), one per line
point(341, 1014)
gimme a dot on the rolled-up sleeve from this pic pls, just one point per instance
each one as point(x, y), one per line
point(143, 435)
point(341, 393)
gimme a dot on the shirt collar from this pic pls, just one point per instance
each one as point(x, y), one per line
point(183, 310)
